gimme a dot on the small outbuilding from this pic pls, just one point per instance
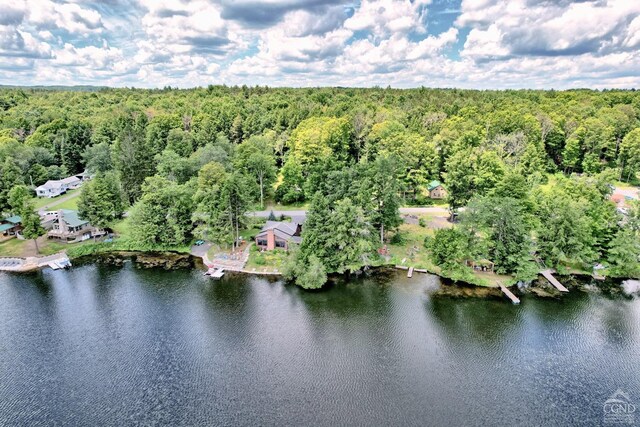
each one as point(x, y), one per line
point(436, 190)
point(10, 226)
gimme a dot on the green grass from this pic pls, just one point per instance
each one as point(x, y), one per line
point(41, 202)
point(122, 228)
point(71, 204)
point(119, 245)
point(13, 248)
point(250, 233)
point(26, 248)
point(411, 247)
point(412, 250)
point(268, 259)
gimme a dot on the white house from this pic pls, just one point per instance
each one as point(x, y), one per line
point(72, 182)
point(56, 187)
point(51, 188)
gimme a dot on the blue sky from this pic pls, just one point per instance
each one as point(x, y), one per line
point(403, 43)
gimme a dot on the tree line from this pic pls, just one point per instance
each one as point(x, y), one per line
point(190, 163)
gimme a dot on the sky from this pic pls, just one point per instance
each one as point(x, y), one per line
point(482, 44)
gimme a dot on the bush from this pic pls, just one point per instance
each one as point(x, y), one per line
point(399, 238)
point(260, 259)
point(422, 222)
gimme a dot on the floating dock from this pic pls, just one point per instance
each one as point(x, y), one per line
point(410, 273)
point(549, 276)
point(216, 273)
point(514, 299)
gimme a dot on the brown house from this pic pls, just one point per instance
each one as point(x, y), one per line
point(68, 227)
point(279, 234)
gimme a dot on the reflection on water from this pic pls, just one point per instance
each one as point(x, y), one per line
point(99, 345)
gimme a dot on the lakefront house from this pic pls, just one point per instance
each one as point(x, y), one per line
point(279, 234)
point(68, 227)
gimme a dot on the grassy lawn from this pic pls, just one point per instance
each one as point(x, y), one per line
point(411, 249)
point(250, 233)
point(270, 260)
point(411, 246)
point(26, 248)
point(42, 202)
point(122, 227)
point(71, 204)
point(13, 248)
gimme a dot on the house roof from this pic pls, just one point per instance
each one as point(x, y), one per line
point(282, 229)
point(5, 227)
point(50, 185)
point(433, 184)
point(71, 218)
point(16, 219)
point(70, 179)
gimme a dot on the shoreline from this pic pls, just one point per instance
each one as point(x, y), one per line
point(171, 260)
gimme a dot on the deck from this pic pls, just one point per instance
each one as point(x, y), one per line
point(514, 299)
point(549, 276)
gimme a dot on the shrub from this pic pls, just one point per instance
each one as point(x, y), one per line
point(399, 238)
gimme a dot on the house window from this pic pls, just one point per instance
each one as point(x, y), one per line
point(280, 243)
point(261, 242)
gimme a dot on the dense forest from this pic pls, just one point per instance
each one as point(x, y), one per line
point(533, 169)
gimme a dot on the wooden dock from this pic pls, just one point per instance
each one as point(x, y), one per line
point(410, 273)
point(514, 299)
point(216, 273)
point(549, 276)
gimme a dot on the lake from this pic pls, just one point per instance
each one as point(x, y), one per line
point(101, 345)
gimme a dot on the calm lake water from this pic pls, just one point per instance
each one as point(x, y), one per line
point(101, 345)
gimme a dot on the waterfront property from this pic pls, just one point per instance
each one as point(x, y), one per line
point(279, 234)
point(68, 227)
point(436, 190)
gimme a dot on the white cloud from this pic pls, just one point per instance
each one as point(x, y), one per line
point(18, 43)
point(527, 27)
point(70, 17)
point(92, 57)
point(384, 17)
point(515, 43)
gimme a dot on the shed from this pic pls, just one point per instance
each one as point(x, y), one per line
point(436, 190)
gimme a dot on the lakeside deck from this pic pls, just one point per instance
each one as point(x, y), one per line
point(514, 299)
point(548, 274)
